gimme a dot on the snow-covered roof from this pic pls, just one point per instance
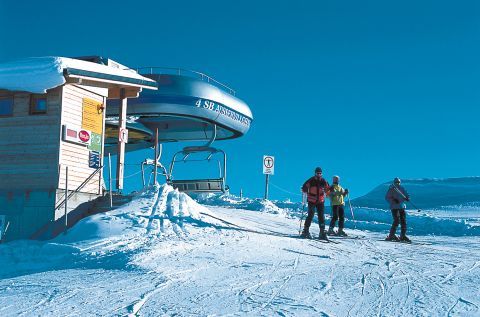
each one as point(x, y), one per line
point(38, 74)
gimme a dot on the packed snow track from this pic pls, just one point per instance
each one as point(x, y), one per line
point(165, 255)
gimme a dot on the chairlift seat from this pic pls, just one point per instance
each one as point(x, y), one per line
point(211, 185)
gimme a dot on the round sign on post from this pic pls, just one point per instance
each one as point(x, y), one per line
point(268, 164)
point(123, 135)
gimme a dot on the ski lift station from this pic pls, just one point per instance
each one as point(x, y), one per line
point(60, 118)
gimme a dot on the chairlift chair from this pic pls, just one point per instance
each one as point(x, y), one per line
point(153, 162)
point(207, 185)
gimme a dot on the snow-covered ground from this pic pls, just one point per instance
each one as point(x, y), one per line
point(165, 255)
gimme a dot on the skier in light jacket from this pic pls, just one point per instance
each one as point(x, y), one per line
point(397, 196)
point(337, 194)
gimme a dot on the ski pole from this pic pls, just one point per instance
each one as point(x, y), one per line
point(407, 199)
point(413, 205)
point(303, 213)
point(351, 211)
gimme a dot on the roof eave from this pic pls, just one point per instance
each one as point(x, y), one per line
point(116, 80)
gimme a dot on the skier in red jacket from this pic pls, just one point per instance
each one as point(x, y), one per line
point(317, 189)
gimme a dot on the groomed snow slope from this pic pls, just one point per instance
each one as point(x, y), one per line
point(165, 255)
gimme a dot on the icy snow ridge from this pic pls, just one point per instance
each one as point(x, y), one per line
point(426, 222)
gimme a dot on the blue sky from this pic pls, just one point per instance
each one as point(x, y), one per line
point(367, 90)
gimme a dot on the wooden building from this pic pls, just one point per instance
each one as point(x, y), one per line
point(52, 119)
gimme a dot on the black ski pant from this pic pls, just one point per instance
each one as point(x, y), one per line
point(338, 213)
point(321, 216)
point(399, 217)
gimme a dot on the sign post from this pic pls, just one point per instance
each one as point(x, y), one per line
point(110, 179)
point(122, 124)
point(66, 200)
point(268, 169)
point(155, 169)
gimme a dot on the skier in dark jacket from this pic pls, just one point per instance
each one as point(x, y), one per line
point(397, 196)
point(316, 189)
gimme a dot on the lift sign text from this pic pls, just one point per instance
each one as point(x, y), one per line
point(213, 106)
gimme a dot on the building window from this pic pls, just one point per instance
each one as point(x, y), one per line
point(38, 104)
point(6, 106)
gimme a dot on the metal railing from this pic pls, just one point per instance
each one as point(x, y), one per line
point(180, 71)
point(79, 188)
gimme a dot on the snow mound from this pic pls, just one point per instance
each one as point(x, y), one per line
point(156, 215)
point(445, 193)
point(255, 204)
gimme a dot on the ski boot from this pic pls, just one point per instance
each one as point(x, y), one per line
point(323, 236)
point(330, 232)
point(404, 238)
point(306, 234)
point(392, 238)
point(341, 233)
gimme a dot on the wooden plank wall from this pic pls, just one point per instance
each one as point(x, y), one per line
point(75, 156)
point(29, 144)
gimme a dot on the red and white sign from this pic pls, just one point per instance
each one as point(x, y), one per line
point(76, 135)
point(84, 136)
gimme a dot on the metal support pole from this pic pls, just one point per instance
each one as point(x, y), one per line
point(266, 186)
point(122, 124)
point(66, 199)
point(155, 169)
point(110, 178)
point(241, 193)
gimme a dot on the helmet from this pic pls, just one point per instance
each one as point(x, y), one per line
point(318, 170)
point(396, 180)
point(336, 177)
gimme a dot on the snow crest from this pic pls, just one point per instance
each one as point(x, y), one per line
point(461, 221)
point(256, 204)
point(23, 75)
point(38, 74)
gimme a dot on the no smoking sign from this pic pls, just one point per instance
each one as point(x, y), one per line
point(268, 164)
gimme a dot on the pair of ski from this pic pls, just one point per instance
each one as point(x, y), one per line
point(352, 237)
point(333, 238)
point(316, 239)
point(407, 242)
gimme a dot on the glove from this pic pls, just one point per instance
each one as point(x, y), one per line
point(395, 200)
point(407, 199)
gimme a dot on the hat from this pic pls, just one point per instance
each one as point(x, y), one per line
point(396, 180)
point(318, 170)
point(337, 177)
